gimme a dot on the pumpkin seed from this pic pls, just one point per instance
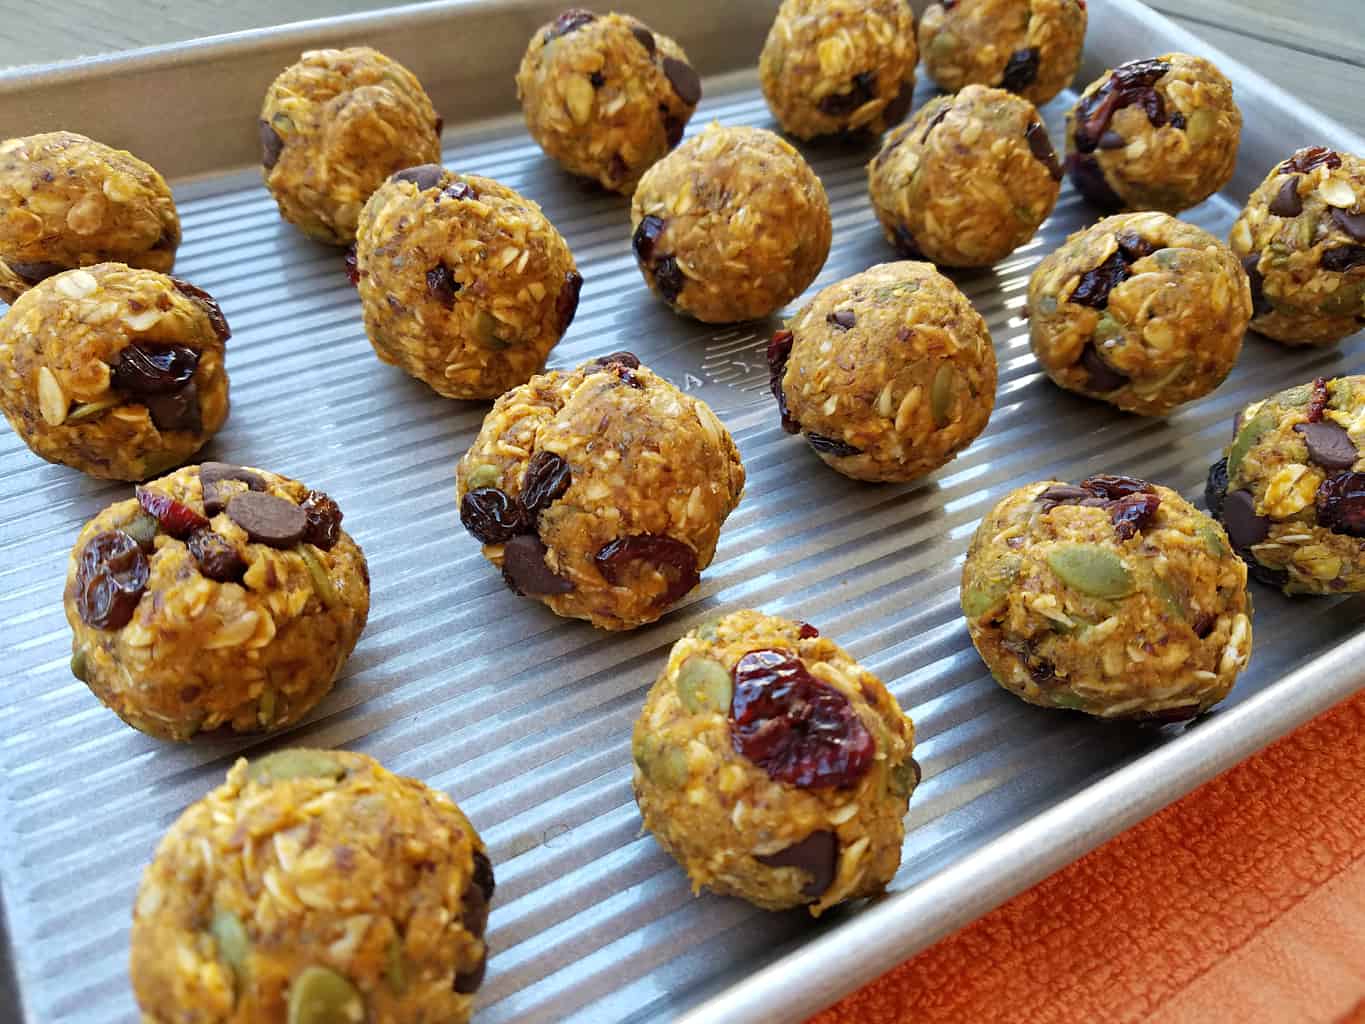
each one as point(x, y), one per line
point(1213, 542)
point(86, 410)
point(79, 666)
point(1169, 259)
point(265, 708)
point(708, 630)
point(317, 572)
point(703, 685)
point(941, 394)
point(1062, 699)
point(1092, 570)
point(1294, 397)
point(487, 329)
point(1251, 432)
point(1168, 594)
point(395, 971)
point(1341, 394)
point(662, 764)
point(295, 763)
point(482, 476)
point(319, 995)
point(983, 596)
point(1047, 305)
point(234, 946)
point(1345, 301)
point(905, 777)
point(1107, 328)
point(142, 528)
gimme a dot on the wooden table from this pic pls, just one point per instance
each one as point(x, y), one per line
point(1316, 50)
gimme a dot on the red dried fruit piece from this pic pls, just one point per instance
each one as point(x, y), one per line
point(208, 304)
point(1066, 494)
point(176, 518)
point(1341, 504)
point(566, 303)
point(1112, 487)
point(442, 286)
point(669, 277)
point(491, 515)
point(646, 236)
point(547, 478)
point(844, 319)
point(659, 550)
point(1088, 178)
point(324, 520)
point(1317, 402)
point(799, 730)
point(1343, 258)
point(779, 351)
point(807, 631)
point(1310, 158)
point(111, 577)
point(832, 446)
point(216, 556)
point(151, 368)
point(1127, 85)
point(1095, 285)
point(571, 20)
point(1021, 70)
point(1133, 514)
point(1041, 147)
point(352, 267)
point(935, 121)
point(862, 88)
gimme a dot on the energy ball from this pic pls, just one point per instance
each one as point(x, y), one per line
point(1157, 134)
point(219, 596)
point(1116, 597)
point(832, 66)
point(606, 97)
point(732, 225)
point(1291, 487)
point(967, 181)
point(1141, 310)
point(600, 492)
point(889, 373)
point(114, 371)
point(334, 126)
point(313, 886)
point(1302, 241)
point(463, 282)
point(67, 201)
point(1032, 47)
point(774, 767)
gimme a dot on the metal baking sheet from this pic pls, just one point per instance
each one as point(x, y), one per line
point(525, 718)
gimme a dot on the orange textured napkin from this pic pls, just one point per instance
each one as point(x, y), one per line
point(1243, 902)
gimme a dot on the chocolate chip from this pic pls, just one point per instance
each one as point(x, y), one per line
point(1041, 147)
point(566, 302)
point(842, 319)
point(424, 176)
point(1352, 223)
point(895, 111)
point(1260, 305)
point(32, 273)
point(906, 245)
point(1088, 178)
point(1244, 526)
point(442, 286)
point(1216, 488)
point(1203, 624)
point(684, 80)
point(1021, 70)
point(645, 38)
point(468, 983)
point(935, 121)
point(832, 446)
point(176, 411)
point(525, 571)
point(458, 190)
point(208, 304)
point(211, 474)
point(570, 21)
point(1344, 258)
point(597, 79)
point(673, 130)
point(1178, 120)
point(216, 556)
point(1309, 159)
point(1328, 444)
point(1287, 202)
point(268, 519)
point(271, 145)
point(1103, 377)
point(862, 87)
point(817, 855)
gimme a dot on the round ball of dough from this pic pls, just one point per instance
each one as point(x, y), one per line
point(832, 66)
point(1158, 134)
point(67, 201)
point(114, 371)
point(219, 596)
point(333, 127)
point(464, 283)
point(889, 373)
point(1302, 241)
point(773, 766)
point(1032, 47)
point(313, 886)
point(605, 96)
point(1115, 597)
point(967, 181)
point(601, 491)
point(732, 225)
point(1291, 487)
point(1141, 310)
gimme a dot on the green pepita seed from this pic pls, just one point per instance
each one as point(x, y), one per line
point(265, 708)
point(1169, 596)
point(945, 44)
point(317, 573)
point(1063, 699)
point(79, 666)
point(1294, 397)
point(942, 393)
point(89, 410)
point(1341, 394)
point(319, 995)
point(142, 528)
point(704, 685)
point(295, 763)
point(1169, 259)
point(670, 767)
point(282, 123)
point(395, 971)
point(482, 476)
point(708, 630)
point(1047, 305)
point(1251, 432)
point(1108, 328)
point(905, 777)
point(1305, 229)
point(982, 597)
point(1092, 570)
point(233, 944)
point(1345, 301)
point(1213, 541)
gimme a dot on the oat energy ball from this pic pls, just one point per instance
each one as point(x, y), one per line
point(1141, 310)
point(463, 282)
point(600, 492)
point(218, 596)
point(1291, 488)
point(313, 887)
point(967, 181)
point(1032, 47)
point(773, 766)
point(1117, 598)
point(1157, 134)
point(334, 126)
point(889, 373)
point(114, 371)
point(732, 225)
point(1302, 241)
point(605, 96)
point(67, 201)
point(832, 66)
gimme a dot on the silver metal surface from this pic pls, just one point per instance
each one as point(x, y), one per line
point(525, 718)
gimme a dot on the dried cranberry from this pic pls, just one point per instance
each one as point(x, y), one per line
point(566, 303)
point(110, 579)
point(906, 245)
point(491, 515)
point(1310, 158)
point(176, 518)
point(801, 731)
point(352, 267)
point(935, 121)
point(779, 351)
point(547, 478)
point(570, 21)
point(442, 286)
point(1317, 402)
point(624, 364)
point(1178, 120)
point(844, 319)
point(216, 556)
point(1133, 514)
point(1260, 305)
point(807, 631)
point(1203, 624)
point(1041, 146)
point(1088, 178)
point(271, 145)
point(1351, 223)
point(1341, 504)
point(1111, 488)
point(458, 190)
point(208, 304)
point(862, 88)
point(1287, 202)
point(832, 446)
point(324, 520)
point(1133, 246)
point(1344, 258)
point(1127, 85)
point(1095, 285)
point(151, 368)
point(1021, 70)
point(1040, 669)
point(662, 551)
point(669, 277)
point(1216, 488)
point(646, 236)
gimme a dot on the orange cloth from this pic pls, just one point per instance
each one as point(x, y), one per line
point(1244, 902)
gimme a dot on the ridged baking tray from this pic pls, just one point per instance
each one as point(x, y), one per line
point(525, 718)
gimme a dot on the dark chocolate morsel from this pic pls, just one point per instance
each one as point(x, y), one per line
point(1041, 147)
point(844, 319)
point(684, 79)
point(1216, 488)
point(424, 176)
point(32, 273)
point(525, 571)
point(268, 519)
point(1090, 182)
point(468, 983)
point(1352, 223)
point(817, 855)
point(645, 38)
point(1260, 305)
point(1245, 528)
point(1102, 377)
point(1287, 202)
point(1328, 444)
point(895, 111)
point(1111, 140)
point(211, 474)
point(271, 145)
